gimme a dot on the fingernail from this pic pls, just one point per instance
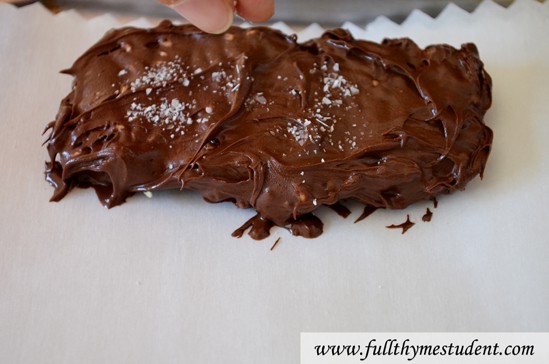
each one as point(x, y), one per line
point(213, 16)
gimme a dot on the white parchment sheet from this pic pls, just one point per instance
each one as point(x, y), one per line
point(162, 281)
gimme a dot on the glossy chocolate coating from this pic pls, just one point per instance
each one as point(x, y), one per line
point(253, 117)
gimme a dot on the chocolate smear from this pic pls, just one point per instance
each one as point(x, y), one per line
point(405, 226)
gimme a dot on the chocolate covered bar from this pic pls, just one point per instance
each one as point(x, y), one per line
point(256, 118)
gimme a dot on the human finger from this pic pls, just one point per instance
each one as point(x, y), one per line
point(212, 16)
point(255, 10)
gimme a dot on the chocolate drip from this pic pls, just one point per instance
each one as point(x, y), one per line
point(308, 226)
point(253, 117)
point(259, 227)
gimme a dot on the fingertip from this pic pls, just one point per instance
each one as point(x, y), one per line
point(255, 11)
point(214, 16)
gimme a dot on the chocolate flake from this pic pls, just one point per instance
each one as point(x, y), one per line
point(275, 243)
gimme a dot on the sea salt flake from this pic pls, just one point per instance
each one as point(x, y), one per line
point(261, 99)
point(216, 76)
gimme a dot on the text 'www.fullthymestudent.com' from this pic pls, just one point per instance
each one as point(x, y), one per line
point(424, 348)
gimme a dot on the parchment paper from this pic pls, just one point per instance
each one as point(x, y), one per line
point(162, 281)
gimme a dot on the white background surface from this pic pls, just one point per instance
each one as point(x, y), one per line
point(161, 281)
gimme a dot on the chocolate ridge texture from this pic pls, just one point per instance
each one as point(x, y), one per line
point(254, 117)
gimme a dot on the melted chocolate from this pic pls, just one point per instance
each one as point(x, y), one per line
point(258, 225)
point(253, 117)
